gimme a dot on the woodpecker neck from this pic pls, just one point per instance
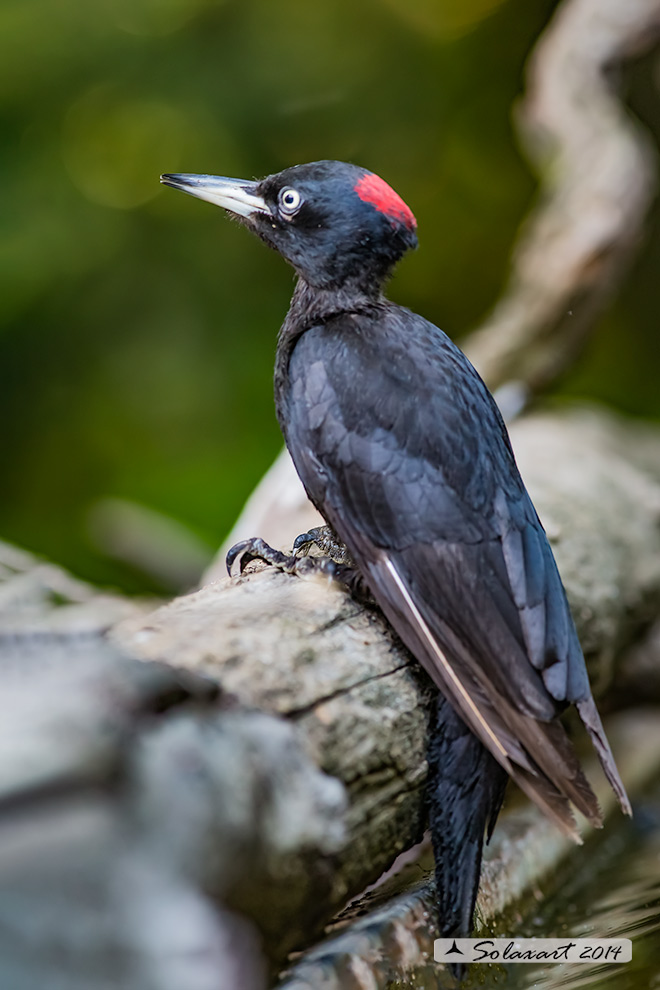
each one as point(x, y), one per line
point(311, 305)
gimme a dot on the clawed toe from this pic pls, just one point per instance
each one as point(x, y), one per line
point(255, 549)
point(299, 563)
point(327, 541)
point(304, 543)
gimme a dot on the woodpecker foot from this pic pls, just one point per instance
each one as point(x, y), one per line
point(327, 541)
point(258, 549)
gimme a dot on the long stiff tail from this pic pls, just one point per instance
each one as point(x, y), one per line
point(465, 792)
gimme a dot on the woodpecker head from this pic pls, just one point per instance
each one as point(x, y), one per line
point(335, 223)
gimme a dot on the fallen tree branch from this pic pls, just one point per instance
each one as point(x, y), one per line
point(271, 763)
point(303, 651)
point(597, 169)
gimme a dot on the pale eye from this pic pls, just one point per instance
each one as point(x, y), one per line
point(290, 201)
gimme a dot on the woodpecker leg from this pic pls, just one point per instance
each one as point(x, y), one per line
point(325, 538)
point(345, 574)
point(465, 789)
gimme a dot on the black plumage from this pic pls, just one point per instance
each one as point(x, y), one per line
point(465, 792)
point(403, 450)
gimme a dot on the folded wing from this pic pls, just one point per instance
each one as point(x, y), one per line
point(424, 490)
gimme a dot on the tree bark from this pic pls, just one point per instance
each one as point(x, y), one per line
point(303, 651)
point(268, 762)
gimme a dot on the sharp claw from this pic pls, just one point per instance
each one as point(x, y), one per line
point(258, 549)
point(302, 544)
point(234, 553)
point(255, 549)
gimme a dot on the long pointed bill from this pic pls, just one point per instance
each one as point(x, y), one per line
point(235, 195)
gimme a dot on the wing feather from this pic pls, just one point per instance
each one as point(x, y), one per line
point(536, 754)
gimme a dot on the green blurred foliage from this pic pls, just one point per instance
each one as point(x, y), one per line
point(137, 326)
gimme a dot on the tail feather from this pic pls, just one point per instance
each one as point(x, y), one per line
point(591, 720)
point(465, 791)
point(560, 775)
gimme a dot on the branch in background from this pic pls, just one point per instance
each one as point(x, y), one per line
point(597, 182)
point(598, 178)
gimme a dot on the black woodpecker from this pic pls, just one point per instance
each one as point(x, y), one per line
point(402, 449)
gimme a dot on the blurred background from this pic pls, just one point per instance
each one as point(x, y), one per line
point(138, 326)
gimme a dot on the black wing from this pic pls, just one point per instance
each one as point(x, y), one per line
point(402, 449)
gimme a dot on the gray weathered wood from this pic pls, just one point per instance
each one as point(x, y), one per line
point(302, 650)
